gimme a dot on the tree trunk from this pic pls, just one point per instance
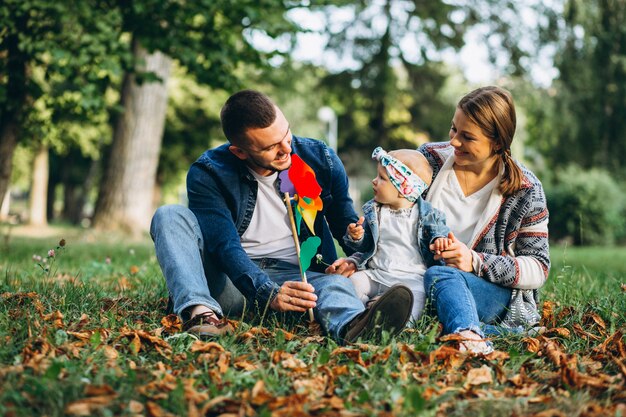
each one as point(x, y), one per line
point(8, 143)
point(11, 112)
point(4, 206)
point(126, 190)
point(39, 188)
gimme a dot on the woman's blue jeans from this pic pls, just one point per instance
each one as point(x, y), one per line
point(464, 301)
point(193, 279)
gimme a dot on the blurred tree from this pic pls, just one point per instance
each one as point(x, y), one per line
point(392, 94)
point(580, 117)
point(206, 37)
point(58, 61)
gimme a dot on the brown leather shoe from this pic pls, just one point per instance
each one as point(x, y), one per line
point(389, 312)
point(207, 325)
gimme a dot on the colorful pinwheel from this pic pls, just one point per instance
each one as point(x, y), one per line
point(298, 183)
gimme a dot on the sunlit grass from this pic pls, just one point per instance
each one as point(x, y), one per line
point(110, 288)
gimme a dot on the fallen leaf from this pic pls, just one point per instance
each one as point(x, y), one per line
point(155, 410)
point(172, 324)
point(593, 318)
point(135, 407)
point(479, 376)
point(532, 344)
point(558, 331)
point(206, 347)
point(547, 315)
point(353, 354)
point(584, 334)
point(133, 269)
point(87, 406)
point(259, 394)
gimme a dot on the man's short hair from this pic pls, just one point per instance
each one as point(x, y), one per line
point(247, 109)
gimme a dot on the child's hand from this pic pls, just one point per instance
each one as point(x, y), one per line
point(355, 230)
point(441, 244)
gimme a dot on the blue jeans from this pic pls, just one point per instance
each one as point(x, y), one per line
point(464, 301)
point(194, 279)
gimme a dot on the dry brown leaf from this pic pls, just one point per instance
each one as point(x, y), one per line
point(259, 395)
point(353, 354)
point(584, 334)
point(479, 376)
point(206, 347)
point(135, 407)
point(98, 390)
point(450, 356)
point(87, 406)
point(223, 362)
point(133, 269)
point(613, 344)
point(313, 387)
point(293, 363)
point(242, 363)
point(558, 331)
point(591, 318)
point(498, 355)
point(123, 284)
point(547, 315)
point(56, 317)
point(553, 351)
point(155, 410)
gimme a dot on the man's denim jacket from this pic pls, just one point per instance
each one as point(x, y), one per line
point(222, 194)
point(430, 225)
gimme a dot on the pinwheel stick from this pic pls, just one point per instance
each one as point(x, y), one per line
point(294, 232)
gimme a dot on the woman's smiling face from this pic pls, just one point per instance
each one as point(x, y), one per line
point(471, 146)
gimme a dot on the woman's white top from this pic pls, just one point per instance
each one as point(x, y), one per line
point(465, 216)
point(462, 212)
point(397, 259)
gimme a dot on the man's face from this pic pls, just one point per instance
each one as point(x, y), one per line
point(267, 150)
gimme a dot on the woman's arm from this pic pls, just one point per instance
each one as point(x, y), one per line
point(526, 262)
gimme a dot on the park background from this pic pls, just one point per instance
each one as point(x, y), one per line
point(104, 105)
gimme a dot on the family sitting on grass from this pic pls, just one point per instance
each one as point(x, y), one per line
point(459, 226)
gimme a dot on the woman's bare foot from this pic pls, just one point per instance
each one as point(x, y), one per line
point(474, 343)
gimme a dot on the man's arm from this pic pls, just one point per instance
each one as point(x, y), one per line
point(221, 240)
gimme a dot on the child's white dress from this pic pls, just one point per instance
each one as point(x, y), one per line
point(397, 259)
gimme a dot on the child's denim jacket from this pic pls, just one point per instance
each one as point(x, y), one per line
point(431, 225)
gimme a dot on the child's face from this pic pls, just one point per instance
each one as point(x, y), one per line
point(384, 191)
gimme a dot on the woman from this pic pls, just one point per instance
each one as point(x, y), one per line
point(497, 210)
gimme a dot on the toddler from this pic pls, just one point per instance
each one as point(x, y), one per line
point(392, 238)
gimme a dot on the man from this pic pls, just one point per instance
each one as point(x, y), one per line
point(234, 243)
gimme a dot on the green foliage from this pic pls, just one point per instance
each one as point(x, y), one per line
point(586, 206)
point(577, 118)
point(393, 97)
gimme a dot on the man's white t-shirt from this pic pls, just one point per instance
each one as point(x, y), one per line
point(269, 233)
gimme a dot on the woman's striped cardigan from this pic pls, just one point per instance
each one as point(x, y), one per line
point(511, 248)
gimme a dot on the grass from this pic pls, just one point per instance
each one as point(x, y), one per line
point(86, 338)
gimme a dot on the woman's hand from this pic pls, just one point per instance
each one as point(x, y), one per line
point(342, 266)
point(458, 255)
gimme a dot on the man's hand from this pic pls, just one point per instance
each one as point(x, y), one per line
point(342, 266)
point(458, 255)
point(294, 296)
point(355, 230)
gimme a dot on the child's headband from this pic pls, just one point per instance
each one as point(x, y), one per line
point(407, 182)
